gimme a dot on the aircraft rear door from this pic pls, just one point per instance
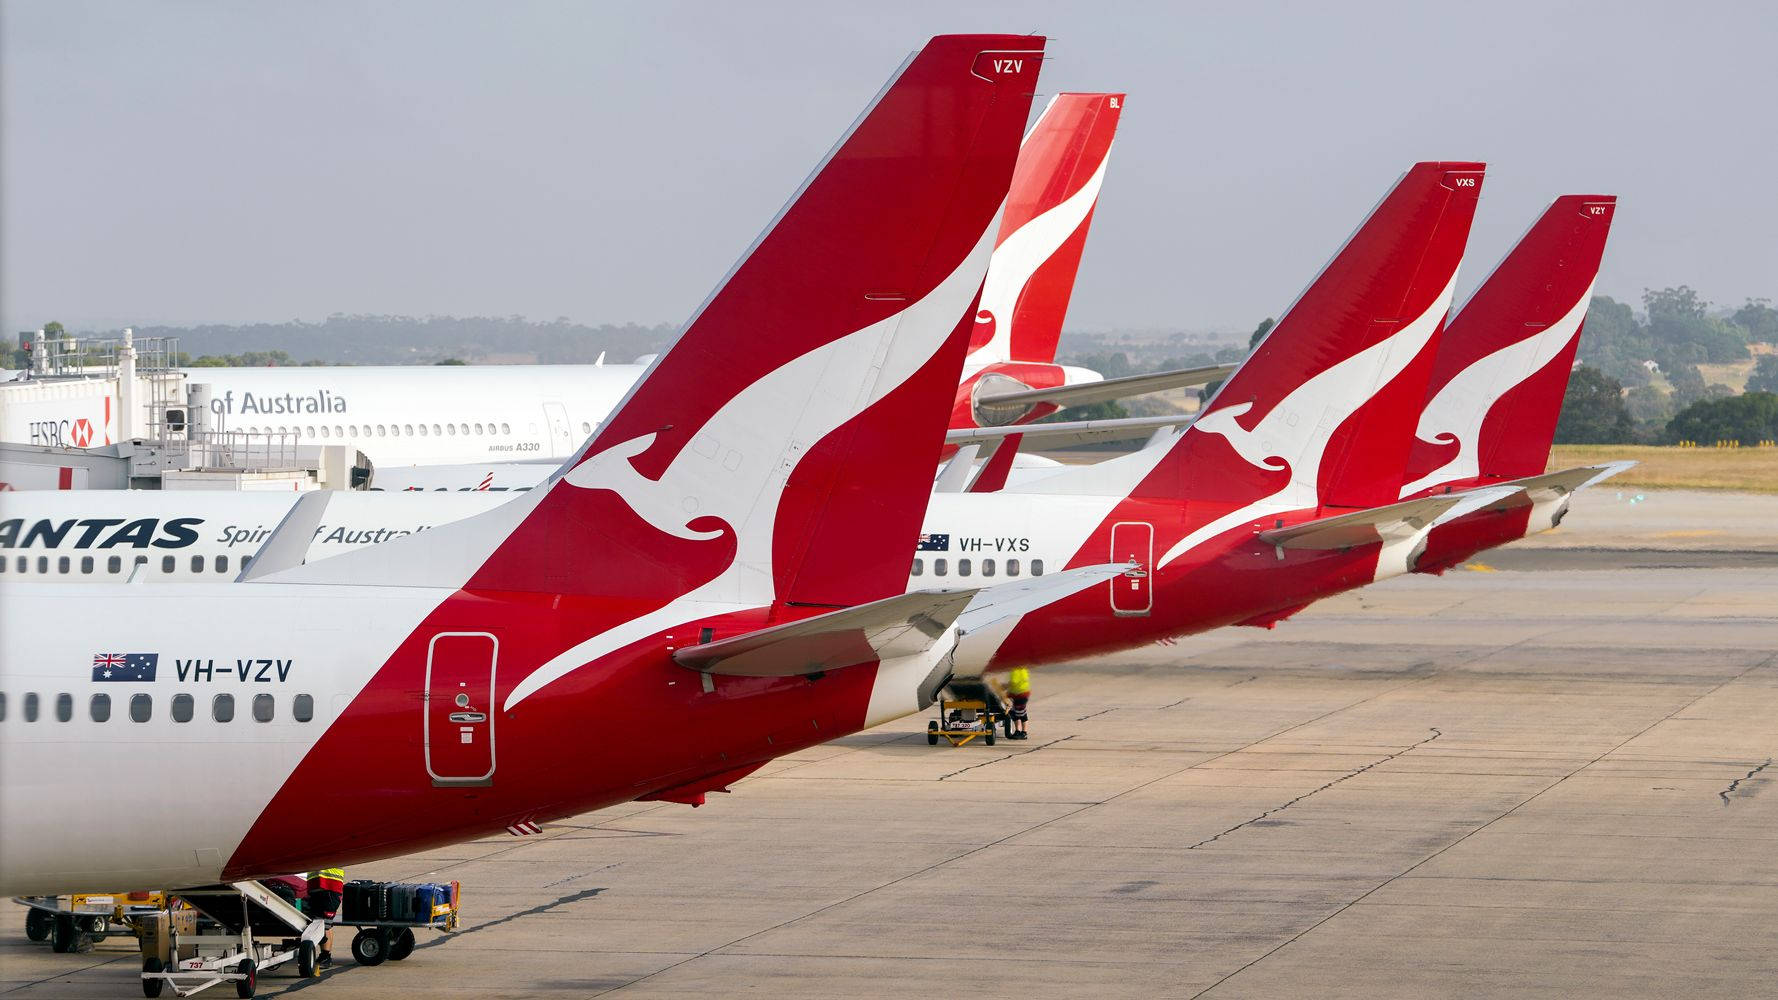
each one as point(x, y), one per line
point(1132, 541)
point(459, 707)
point(561, 434)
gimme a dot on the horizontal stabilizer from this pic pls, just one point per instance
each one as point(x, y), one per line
point(1552, 485)
point(881, 630)
point(903, 625)
point(1025, 596)
point(1382, 524)
point(1086, 393)
point(1069, 433)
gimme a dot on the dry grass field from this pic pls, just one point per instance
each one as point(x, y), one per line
point(1750, 470)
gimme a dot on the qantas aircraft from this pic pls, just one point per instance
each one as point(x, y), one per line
point(1313, 379)
point(1497, 386)
point(1324, 376)
point(721, 554)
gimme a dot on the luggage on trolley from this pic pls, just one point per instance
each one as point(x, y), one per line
point(387, 914)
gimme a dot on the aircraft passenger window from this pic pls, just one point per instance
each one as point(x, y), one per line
point(114, 564)
point(323, 430)
point(380, 429)
point(30, 706)
point(182, 708)
point(197, 564)
point(302, 707)
point(919, 567)
point(422, 430)
point(141, 707)
point(2, 565)
point(309, 430)
point(63, 564)
point(407, 429)
point(962, 567)
point(2, 706)
point(352, 429)
point(506, 428)
point(1012, 567)
point(451, 429)
point(100, 709)
point(339, 431)
point(478, 428)
point(64, 707)
point(168, 564)
point(246, 561)
point(86, 564)
point(938, 567)
point(435, 431)
point(464, 428)
point(394, 430)
point(262, 708)
point(987, 567)
point(222, 564)
point(222, 708)
point(42, 564)
point(586, 428)
point(21, 564)
point(1037, 567)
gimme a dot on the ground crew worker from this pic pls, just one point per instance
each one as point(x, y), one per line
point(1019, 686)
point(327, 888)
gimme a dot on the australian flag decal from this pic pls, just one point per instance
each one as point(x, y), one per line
point(935, 543)
point(135, 667)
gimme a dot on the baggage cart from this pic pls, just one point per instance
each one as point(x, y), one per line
point(386, 916)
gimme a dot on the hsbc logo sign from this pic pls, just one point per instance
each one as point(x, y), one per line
point(76, 433)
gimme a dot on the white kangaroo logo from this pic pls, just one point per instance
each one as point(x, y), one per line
point(736, 466)
point(1296, 432)
point(666, 509)
point(1461, 406)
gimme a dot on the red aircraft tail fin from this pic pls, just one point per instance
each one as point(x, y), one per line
point(781, 449)
point(1320, 413)
point(1502, 367)
point(1049, 209)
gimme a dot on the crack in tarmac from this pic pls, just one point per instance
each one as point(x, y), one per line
point(1725, 793)
point(1344, 777)
point(1015, 753)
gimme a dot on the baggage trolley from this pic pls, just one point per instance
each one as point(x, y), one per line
point(380, 940)
point(959, 722)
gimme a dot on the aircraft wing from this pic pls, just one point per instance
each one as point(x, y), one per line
point(1098, 392)
point(1072, 432)
point(1388, 523)
point(903, 625)
point(288, 545)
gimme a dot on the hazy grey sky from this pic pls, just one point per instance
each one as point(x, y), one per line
point(231, 162)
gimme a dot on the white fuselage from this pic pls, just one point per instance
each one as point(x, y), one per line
point(158, 536)
point(422, 416)
point(53, 770)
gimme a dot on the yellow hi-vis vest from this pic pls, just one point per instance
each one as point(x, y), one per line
point(329, 879)
point(1019, 682)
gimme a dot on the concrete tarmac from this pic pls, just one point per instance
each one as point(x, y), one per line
point(1530, 778)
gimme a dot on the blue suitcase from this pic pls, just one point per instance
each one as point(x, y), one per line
point(427, 896)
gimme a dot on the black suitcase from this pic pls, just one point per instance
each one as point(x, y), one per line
point(401, 902)
point(357, 902)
